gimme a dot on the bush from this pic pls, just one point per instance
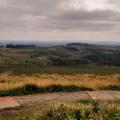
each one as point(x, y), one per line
point(96, 113)
point(114, 116)
point(112, 87)
point(64, 113)
point(34, 89)
point(96, 107)
point(83, 115)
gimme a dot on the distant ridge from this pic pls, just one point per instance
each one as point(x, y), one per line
point(71, 54)
point(62, 42)
point(79, 44)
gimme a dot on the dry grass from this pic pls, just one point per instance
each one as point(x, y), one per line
point(9, 81)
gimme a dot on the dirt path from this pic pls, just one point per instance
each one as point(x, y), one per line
point(6, 102)
point(49, 97)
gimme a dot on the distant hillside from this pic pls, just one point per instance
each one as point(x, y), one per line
point(48, 43)
point(73, 54)
point(78, 44)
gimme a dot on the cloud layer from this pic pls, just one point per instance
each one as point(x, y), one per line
point(60, 16)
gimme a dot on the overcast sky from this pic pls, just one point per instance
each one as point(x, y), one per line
point(60, 19)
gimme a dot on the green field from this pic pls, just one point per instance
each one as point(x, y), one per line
point(32, 69)
point(65, 59)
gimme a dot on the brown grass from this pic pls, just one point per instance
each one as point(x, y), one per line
point(9, 81)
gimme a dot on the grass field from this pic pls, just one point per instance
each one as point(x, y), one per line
point(63, 70)
point(67, 68)
point(62, 55)
point(78, 110)
point(11, 84)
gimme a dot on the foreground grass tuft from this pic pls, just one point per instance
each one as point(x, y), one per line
point(95, 113)
point(93, 110)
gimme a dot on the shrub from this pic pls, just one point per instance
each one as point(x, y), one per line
point(61, 113)
point(64, 113)
point(34, 89)
point(83, 114)
point(96, 113)
point(112, 87)
point(96, 107)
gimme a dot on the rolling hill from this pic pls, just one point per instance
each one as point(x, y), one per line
point(73, 54)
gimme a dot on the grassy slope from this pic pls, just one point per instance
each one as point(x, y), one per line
point(87, 109)
point(71, 54)
point(21, 63)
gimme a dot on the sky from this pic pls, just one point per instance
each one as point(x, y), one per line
point(60, 19)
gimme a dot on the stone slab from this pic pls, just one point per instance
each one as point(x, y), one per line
point(103, 95)
point(8, 102)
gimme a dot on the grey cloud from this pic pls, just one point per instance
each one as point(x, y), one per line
point(83, 15)
point(82, 20)
point(117, 2)
point(27, 15)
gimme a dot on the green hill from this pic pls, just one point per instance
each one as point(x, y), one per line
point(67, 55)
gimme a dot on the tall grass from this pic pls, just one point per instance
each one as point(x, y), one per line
point(10, 82)
point(95, 112)
point(33, 89)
